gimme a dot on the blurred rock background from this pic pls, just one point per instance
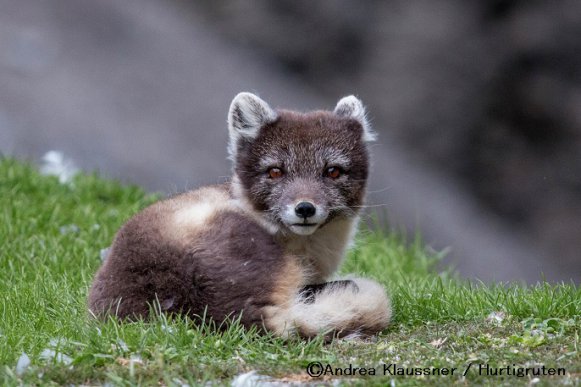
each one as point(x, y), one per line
point(478, 104)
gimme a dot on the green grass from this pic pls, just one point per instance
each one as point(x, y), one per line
point(50, 238)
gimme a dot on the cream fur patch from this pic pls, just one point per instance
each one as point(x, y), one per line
point(340, 308)
point(324, 250)
point(193, 212)
point(335, 309)
point(195, 215)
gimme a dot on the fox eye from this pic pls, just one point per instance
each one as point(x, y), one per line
point(333, 172)
point(275, 173)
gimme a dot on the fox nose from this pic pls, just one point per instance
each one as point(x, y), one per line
point(305, 209)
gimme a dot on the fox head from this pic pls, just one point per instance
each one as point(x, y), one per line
point(300, 171)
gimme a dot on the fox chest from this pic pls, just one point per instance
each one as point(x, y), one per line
point(321, 254)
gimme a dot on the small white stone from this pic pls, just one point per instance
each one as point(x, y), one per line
point(104, 253)
point(122, 345)
point(69, 229)
point(55, 164)
point(496, 317)
point(167, 329)
point(22, 364)
point(136, 359)
point(49, 354)
point(248, 379)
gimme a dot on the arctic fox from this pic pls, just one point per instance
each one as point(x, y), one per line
point(262, 247)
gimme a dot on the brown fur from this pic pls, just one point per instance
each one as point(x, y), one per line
point(309, 138)
point(230, 266)
point(228, 251)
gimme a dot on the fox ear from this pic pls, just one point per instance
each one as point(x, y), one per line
point(352, 107)
point(246, 116)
